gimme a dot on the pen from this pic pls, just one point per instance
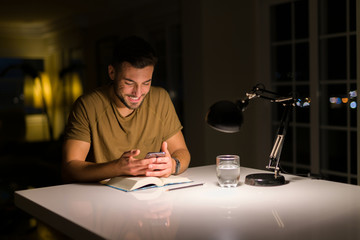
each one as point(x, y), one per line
point(194, 185)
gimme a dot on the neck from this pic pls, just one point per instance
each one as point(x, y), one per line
point(122, 109)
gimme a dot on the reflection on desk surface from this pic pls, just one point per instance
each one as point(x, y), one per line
point(302, 209)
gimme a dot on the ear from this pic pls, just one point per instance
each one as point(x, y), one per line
point(111, 72)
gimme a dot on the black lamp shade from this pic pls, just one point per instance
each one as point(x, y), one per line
point(225, 116)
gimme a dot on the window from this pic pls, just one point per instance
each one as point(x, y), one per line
point(312, 48)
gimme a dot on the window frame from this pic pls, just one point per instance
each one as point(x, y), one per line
point(264, 75)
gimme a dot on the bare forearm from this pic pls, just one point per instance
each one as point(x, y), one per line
point(82, 171)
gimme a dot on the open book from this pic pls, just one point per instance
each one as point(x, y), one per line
point(128, 184)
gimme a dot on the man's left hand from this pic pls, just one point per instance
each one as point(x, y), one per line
point(162, 167)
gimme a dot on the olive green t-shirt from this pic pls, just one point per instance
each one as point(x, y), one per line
point(95, 119)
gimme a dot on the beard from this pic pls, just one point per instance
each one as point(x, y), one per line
point(128, 104)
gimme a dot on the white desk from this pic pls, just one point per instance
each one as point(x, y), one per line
point(302, 209)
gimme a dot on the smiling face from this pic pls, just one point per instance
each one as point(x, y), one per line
point(130, 86)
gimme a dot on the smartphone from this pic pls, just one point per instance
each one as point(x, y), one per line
point(155, 154)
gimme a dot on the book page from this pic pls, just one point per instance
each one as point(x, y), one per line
point(131, 183)
point(145, 181)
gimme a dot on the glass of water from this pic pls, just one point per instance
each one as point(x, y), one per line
point(228, 170)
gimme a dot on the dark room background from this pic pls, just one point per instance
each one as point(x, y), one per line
point(51, 52)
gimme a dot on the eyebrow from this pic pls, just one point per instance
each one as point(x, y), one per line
point(130, 80)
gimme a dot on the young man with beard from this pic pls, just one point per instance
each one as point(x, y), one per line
point(111, 129)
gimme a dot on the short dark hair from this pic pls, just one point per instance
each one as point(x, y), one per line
point(135, 51)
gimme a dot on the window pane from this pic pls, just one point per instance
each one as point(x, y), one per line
point(302, 62)
point(332, 16)
point(353, 152)
point(333, 59)
point(302, 171)
point(285, 90)
point(353, 57)
point(303, 145)
point(301, 19)
point(333, 150)
point(336, 178)
point(287, 151)
point(353, 181)
point(281, 22)
point(283, 62)
point(352, 15)
point(333, 110)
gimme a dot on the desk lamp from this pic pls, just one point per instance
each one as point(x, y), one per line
point(226, 116)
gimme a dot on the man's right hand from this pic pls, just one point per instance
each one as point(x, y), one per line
point(129, 165)
point(76, 169)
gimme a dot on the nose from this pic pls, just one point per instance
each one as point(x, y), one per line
point(136, 90)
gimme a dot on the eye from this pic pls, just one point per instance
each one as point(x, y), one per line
point(129, 83)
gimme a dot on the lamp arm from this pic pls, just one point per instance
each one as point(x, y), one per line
point(288, 102)
point(274, 159)
point(275, 154)
point(258, 92)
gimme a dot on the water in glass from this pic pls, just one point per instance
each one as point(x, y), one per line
point(228, 170)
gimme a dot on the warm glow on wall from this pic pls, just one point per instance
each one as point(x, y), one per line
point(76, 87)
point(37, 93)
point(40, 123)
point(37, 90)
point(47, 90)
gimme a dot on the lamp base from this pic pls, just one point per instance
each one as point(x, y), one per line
point(264, 179)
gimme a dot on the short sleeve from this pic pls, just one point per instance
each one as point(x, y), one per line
point(78, 126)
point(171, 121)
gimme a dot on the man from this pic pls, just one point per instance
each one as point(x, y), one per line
point(111, 129)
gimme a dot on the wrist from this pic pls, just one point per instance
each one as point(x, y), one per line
point(117, 168)
point(177, 166)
